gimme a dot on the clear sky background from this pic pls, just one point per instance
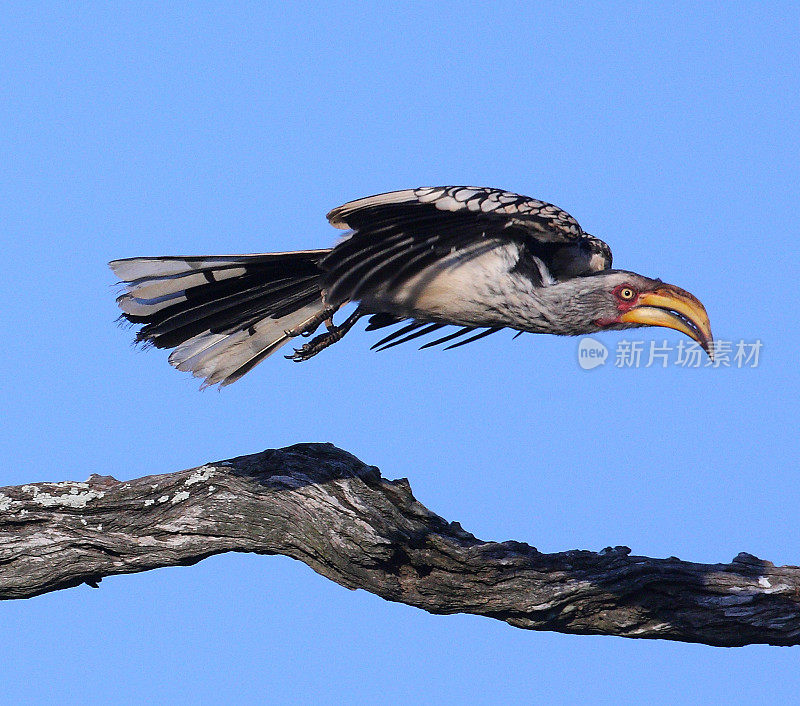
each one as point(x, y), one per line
point(144, 129)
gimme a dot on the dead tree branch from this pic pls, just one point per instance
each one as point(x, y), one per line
point(323, 506)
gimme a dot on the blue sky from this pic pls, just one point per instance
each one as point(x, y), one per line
point(670, 131)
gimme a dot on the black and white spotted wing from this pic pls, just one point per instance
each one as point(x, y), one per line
point(398, 234)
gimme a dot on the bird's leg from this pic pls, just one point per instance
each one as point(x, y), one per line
point(308, 327)
point(321, 342)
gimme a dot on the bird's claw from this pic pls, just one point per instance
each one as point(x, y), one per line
point(319, 343)
point(309, 350)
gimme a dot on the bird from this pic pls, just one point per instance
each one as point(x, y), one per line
point(478, 258)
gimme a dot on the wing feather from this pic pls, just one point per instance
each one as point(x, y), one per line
point(415, 329)
point(398, 234)
point(430, 328)
point(449, 337)
point(476, 337)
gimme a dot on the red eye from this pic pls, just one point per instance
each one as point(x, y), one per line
point(626, 293)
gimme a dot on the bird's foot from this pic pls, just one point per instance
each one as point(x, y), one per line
point(319, 343)
point(315, 345)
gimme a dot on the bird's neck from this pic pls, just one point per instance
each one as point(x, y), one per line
point(560, 308)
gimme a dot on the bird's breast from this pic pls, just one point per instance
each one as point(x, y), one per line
point(474, 288)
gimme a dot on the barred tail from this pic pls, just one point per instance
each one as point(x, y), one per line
point(222, 315)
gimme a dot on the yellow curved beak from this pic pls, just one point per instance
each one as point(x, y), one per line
point(673, 308)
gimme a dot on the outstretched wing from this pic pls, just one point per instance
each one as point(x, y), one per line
point(398, 234)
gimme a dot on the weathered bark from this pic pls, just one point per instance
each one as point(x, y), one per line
point(323, 506)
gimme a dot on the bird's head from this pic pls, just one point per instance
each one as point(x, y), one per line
point(616, 299)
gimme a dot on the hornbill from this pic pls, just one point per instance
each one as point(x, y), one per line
point(479, 258)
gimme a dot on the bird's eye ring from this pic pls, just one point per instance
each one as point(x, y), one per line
point(627, 293)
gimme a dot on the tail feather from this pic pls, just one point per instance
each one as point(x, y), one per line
point(223, 315)
point(132, 269)
point(224, 358)
point(168, 327)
